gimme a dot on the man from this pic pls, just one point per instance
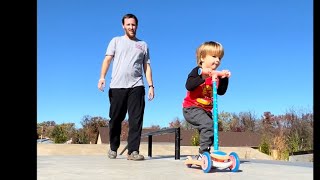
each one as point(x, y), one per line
point(130, 57)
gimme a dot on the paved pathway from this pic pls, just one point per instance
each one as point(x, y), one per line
point(96, 167)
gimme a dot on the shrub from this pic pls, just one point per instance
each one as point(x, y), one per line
point(195, 139)
point(264, 147)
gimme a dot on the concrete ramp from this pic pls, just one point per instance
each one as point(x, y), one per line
point(158, 149)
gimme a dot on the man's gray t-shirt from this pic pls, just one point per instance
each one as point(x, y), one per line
point(129, 57)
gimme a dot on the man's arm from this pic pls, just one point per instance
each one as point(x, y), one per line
point(148, 73)
point(104, 69)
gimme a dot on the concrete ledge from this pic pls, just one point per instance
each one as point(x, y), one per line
point(301, 158)
point(158, 149)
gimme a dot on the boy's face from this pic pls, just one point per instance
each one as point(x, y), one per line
point(211, 62)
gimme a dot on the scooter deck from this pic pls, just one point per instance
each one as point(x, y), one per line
point(192, 161)
point(221, 156)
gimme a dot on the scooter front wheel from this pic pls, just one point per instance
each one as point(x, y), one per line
point(206, 162)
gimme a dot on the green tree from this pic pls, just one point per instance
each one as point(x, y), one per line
point(59, 134)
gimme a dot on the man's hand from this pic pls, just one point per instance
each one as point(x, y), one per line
point(101, 84)
point(151, 93)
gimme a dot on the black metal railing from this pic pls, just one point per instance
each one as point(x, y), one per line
point(160, 132)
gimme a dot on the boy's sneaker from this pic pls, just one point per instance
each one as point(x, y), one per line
point(112, 154)
point(198, 157)
point(135, 156)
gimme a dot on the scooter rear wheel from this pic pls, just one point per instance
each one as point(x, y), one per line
point(235, 162)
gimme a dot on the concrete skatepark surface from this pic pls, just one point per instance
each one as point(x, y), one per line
point(69, 161)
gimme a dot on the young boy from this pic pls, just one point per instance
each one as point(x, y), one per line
point(197, 105)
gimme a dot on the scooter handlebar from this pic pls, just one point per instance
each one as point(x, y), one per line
point(213, 73)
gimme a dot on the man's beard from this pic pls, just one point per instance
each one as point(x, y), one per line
point(130, 34)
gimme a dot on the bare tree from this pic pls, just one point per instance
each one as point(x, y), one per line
point(299, 130)
point(175, 123)
point(155, 127)
point(235, 124)
point(44, 129)
point(186, 125)
point(90, 127)
point(225, 118)
point(248, 120)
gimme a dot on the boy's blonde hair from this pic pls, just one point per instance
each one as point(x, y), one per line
point(209, 48)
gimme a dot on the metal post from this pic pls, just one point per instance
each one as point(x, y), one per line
point(150, 145)
point(177, 143)
point(124, 149)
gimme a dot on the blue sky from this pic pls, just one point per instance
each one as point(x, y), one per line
point(268, 49)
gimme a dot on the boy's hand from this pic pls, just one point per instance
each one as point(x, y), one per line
point(227, 73)
point(207, 71)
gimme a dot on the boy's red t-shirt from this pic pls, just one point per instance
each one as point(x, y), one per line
point(201, 96)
